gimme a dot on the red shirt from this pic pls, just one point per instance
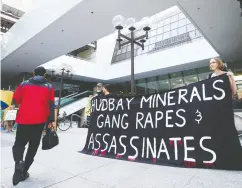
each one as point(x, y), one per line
point(36, 100)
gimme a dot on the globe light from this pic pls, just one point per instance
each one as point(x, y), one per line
point(146, 23)
point(130, 23)
point(118, 22)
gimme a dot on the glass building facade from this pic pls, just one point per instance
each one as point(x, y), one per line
point(163, 29)
point(166, 82)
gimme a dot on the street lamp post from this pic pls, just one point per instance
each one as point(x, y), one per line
point(119, 22)
point(63, 70)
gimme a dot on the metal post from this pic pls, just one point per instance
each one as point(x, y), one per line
point(58, 109)
point(132, 63)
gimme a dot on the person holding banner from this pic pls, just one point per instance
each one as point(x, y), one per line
point(36, 99)
point(218, 67)
point(107, 90)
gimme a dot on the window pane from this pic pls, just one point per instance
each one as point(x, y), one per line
point(174, 25)
point(174, 18)
point(160, 24)
point(204, 69)
point(166, 35)
point(138, 33)
point(160, 30)
point(167, 21)
point(182, 22)
point(174, 32)
point(203, 76)
point(188, 21)
point(154, 25)
point(181, 16)
point(190, 27)
point(159, 38)
point(151, 85)
point(151, 47)
point(190, 76)
point(192, 34)
point(152, 33)
point(176, 82)
point(141, 86)
point(203, 72)
point(166, 28)
point(152, 40)
point(182, 30)
point(163, 83)
point(198, 34)
point(195, 34)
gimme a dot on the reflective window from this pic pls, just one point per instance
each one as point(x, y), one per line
point(182, 22)
point(151, 47)
point(181, 16)
point(152, 33)
point(174, 18)
point(160, 30)
point(166, 35)
point(166, 28)
point(163, 83)
point(203, 73)
point(176, 80)
point(151, 85)
point(190, 76)
point(190, 27)
point(172, 26)
point(167, 21)
point(188, 21)
point(174, 32)
point(182, 30)
point(141, 87)
point(152, 40)
point(160, 24)
point(159, 38)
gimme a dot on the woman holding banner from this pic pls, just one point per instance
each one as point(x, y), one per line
point(218, 67)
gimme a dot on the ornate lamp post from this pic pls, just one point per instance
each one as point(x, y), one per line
point(119, 23)
point(61, 73)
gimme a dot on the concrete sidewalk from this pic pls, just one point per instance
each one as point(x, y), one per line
point(64, 167)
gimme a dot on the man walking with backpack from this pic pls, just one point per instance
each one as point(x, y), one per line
point(36, 99)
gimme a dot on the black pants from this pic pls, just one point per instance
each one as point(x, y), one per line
point(30, 134)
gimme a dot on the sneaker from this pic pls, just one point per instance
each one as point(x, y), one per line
point(18, 172)
point(24, 176)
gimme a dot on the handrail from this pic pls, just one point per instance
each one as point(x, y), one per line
point(82, 93)
point(76, 116)
point(69, 95)
point(74, 96)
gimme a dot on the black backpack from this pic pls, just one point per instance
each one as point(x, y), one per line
point(50, 139)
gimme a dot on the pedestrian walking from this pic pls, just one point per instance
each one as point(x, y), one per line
point(36, 99)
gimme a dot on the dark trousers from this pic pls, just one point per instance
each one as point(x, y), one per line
point(30, 134)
